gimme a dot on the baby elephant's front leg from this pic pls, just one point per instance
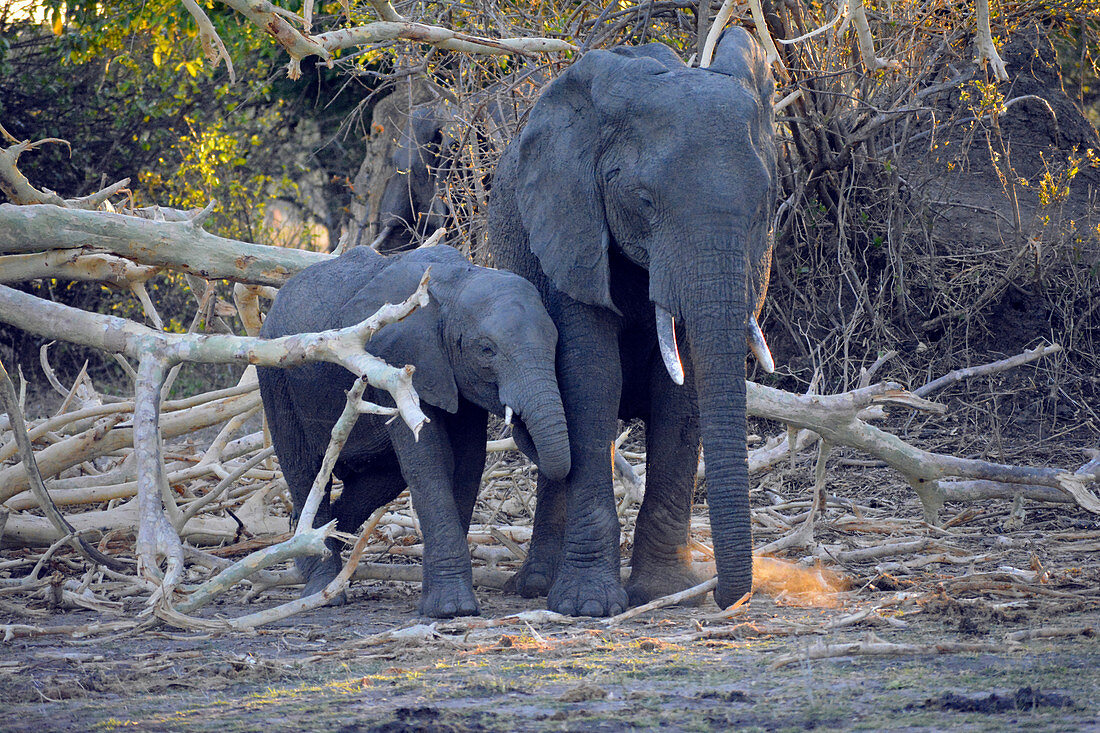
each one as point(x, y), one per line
point(428, 466)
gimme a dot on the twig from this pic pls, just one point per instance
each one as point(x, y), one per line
point(669, 600)
point(873, 646)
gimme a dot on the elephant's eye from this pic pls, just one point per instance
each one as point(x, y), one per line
point(610, 175)
point(486, 348)
point(645, 199)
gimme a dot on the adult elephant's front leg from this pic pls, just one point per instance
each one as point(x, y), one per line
point(587, 582)
point(661, 562)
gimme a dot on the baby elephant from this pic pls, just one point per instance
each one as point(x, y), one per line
point(483, 344)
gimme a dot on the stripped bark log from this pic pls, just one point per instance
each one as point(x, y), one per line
point(181, 245)
point(836, 419)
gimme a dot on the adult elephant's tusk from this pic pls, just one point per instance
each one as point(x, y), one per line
point(759, 346)
point(666, 338)
point(382, 237)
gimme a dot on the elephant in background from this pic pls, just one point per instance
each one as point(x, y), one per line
point(413, 155)
point(483, 344)
point(411, 142)
point(638, 200)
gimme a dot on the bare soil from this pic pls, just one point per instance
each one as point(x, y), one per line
point(579, 677)
point(675, 668)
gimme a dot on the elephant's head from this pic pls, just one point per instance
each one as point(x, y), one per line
point(632, 152)
point(409, 205)
point(487, 337)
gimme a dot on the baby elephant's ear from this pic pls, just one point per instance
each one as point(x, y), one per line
point(418, 340)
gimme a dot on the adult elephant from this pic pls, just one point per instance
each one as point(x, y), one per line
point(638, 200)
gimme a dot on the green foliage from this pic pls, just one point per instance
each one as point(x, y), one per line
point(137, 101)
point(126, 84)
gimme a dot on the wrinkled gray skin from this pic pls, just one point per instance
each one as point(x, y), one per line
point(483, 342)
point(640, 184)
point(410, 209)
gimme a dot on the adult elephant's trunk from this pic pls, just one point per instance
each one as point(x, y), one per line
point(713, 306)
point(535, 400)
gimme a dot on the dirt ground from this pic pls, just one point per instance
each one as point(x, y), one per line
point(581, 677)
point(644, 674)
point(674, 668)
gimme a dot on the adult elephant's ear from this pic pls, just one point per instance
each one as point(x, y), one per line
point(740, 56)
point(418, 340)
point(558, 193)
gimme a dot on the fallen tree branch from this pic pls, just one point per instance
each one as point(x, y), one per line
point(392, 27)
point(118, 335)
point(339, 436)
point(105, 438)
point(435, 35)
point(1050, 632)
point(986, 369)
point(73, 265)
point(20, 190)
point(322, 597)
point(836, 419)
point(9, 400)
point(876, 647)
point(670, 600)
point(181, 245)
point(307, 542)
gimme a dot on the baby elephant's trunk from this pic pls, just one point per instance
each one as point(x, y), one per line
point(537, 403)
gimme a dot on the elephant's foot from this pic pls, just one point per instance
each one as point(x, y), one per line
point(447, 598)
point(653, 582)
point(586, 593)
point(318, 574)
point(534, 577)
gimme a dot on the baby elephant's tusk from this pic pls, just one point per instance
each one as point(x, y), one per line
point(507, 415)
point(666, 338)
point(759, 346)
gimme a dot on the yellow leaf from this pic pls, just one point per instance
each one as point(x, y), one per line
point(58, 25)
